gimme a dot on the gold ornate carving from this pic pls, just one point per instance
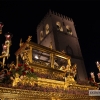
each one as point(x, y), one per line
point(69, 80)
point(30, 54)
point(51, 46)
point(49, 73)
point(11, 65)
point(16, 79)
point(52, 60)
point(21, 43)
point(1, 63)
point(19, 94)
point(25, 57)
point(50, 78)
point(16, 60)
point(29, 38)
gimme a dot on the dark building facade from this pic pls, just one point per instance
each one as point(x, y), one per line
point(60, 30)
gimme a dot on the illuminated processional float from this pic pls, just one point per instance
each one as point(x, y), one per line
point(40, 73)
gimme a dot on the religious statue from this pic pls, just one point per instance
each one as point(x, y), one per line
point(70, 75)
point(16, 79)
point(25, 58)
point(62, 68)
point(74, 70)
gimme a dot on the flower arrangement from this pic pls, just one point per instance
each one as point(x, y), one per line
point(20, 74)
point(23, 70)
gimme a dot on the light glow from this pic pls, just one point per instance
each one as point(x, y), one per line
point(7, 36)
point(4, 46)
point(36, 57)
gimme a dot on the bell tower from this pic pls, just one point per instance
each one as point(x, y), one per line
point(60, 30)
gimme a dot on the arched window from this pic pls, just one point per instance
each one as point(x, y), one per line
point(69, 50)
point(69, 30)
point(59, 27)
point(47, 28)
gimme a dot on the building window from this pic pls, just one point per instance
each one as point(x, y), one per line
point(69, 50)
point(47, 28)
point(59, 27)
point(69, 30)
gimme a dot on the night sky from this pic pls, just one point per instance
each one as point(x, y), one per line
point(22, 17)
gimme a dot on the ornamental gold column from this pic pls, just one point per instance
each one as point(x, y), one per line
point(51, 56)
point(17, 60)
point(69, 62)
point(30, 49)
point(52, 60)
point(30, 54)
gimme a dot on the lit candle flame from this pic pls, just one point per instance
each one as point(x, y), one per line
point(8, 36)
point(97, 62)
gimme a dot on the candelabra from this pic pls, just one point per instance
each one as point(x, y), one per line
point(98, 74)
point(5, 46)
point(98, 66)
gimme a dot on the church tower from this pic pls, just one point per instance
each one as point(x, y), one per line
point(60, 30)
